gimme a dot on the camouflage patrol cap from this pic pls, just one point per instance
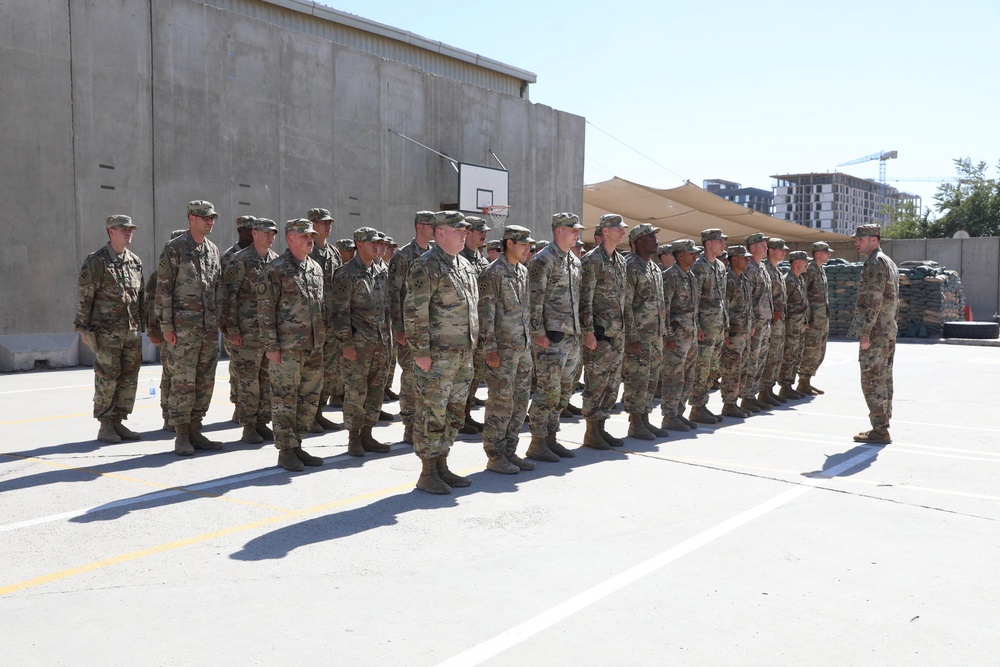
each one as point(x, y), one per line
point(713, 234)
point(821, 246)
point(245, 221)
point(119, 222)
point(423, 216)
point(775, 243)
point(345, 244)
point(177, 232)
point(798, 254)
point(319, 215)
point(641, 230)
point(202, 208)
point(612, 220)
point(450, 219)
point(571, 220)
point(685, 245)
point(264, 225)
point(369, 234)
point(540, 245)
point(665, 249)
point(390, 242)
point(756, 237)
point(495, 244)
point(300, 226)
point(518, 234)
point(722, 255)
point(477, 224)
point(867, 230)
point(737, 251)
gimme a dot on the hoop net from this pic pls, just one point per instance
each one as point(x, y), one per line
point(498, 214)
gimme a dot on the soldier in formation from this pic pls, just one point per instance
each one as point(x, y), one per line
point(734, 372)
point(472, 252)
point(818, 329)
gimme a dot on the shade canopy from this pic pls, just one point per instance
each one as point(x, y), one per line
point(684, 212)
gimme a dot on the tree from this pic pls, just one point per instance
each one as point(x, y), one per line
point(972, 203)
point(906, 222)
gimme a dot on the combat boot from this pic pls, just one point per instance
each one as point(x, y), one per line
point(354, 446)
point(198, 441)
point(730, 410)
point(658, 432)
point(250, 435)
point(501, 465)
point(263, 430)
point(570, 411)
point(289, 461)
point(471, 426)
point(539, 451)
point(370, 444)
point(877, 436)
point(764, 397)
point(107, 433)
point(315, 426)
point(384, 416)
point(805, 387)
point(637, 428)
point(776, 397)
point(182, 440)
point(429, 480)
point(325, 423)
point(556, 448)
point(608, 438)
point(167, 426)
point(447, 476)
point(592, 438)
point(787, 392)
point(749, 406)
point(691, 425)
point(519, 462)
point(390, 395)
point(307, 458)
point(408, 434)
point(675, 424)
point(124, 432)
point(702, 415)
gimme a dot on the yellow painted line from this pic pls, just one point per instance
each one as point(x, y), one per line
point(195, 539)
point(143, 482)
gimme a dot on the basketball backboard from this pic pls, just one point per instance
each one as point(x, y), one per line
point(481, 187)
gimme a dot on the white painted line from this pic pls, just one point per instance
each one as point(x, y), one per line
point(548, 618)
point(27, 391)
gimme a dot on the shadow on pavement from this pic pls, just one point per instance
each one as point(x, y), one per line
point(833, 460)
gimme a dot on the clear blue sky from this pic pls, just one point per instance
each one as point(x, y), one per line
point(741, 90)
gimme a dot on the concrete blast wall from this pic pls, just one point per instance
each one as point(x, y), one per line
point(138, 106)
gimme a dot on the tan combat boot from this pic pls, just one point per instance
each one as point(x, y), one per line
point(501, 465)
point(307, 458)
point(325, 423)
point(777, 397)
point(519, 462)
point(107, 433)
point(250, 435)
point(370, 444)
point(592, 438)
point(675, 424)
point(539, 451)
point(408, 434)
point(182, 441)
point(429, 479)
point(702, 415)
point(637, 428)
point(749, 405)
point(556, 448)
point(471, 426)
point(124, 432)
point(658, 432)
point(201, 442)
point(289, 461)
point(447, 476)
point(608, 438)
point(877, 436)
point(787, 392)
point(730, 410)
point(354, 446)
point(263, 430)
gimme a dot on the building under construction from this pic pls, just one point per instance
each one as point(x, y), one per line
point(834, 202)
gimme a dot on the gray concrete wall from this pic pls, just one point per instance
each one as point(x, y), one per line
point(138, 106)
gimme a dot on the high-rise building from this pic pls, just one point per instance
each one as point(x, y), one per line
point(833, 202)
point(755, 198)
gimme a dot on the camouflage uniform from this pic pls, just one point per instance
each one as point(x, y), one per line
point(441, 319)
point(110, 312)
point(224, 259)
point(399, 271)
point(875, 317)
point(153, 331)
point(776, 345)
point(817, 289)
point(762, 303)
point(479, 264)
point(710, 286)
point(328, 258)
point(554, 280)
point(680, 299)
point(360, 319)
point(187, 284)
point(742, 316)
point(602, 313)
point(247, 364)
point(505, 328)
point(645, 324)
point(291, 309)
point(796, 318)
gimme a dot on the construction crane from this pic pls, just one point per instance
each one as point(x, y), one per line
point(881, 156)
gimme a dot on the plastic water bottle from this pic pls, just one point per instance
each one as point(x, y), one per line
point(152, 389)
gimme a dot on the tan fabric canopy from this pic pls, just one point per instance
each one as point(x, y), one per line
point(683, 212)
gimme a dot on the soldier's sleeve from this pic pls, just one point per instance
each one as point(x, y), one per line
point(870, 289)
point(420, 288)
point(268, 290)
point(538, 278)
point(90, 275)
point(166, 273)
point(395, 284)
point(488, 293)
point(732, 295)
point(668, 298)
point(587, 287)
point(341, 295)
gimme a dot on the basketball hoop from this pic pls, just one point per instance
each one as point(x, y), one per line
point(498, 214)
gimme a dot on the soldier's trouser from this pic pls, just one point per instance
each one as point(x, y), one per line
point(116, 374)
point(364, 386)
point(795, 338)
point(707, 369)
point(509, 386)
point(228, 348)
point(165, 379)
point(603, 367)
point(192, 375)
point(735, 372)
point(478, 372)
point(390, 370)
point(775, 351)
point(555, 373)
point(248, 367)
point(407, 384)
point(678, 376)
point(756, 357)
point(295, 387)
point(876, 377)
point(442, 392)
point(641, 374)
point(815, 346)
point(333, 372)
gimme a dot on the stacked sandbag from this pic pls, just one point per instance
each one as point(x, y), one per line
point(929, 295)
